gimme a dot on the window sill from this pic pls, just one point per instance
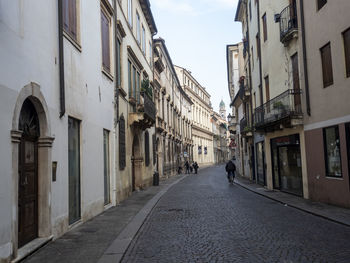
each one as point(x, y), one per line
point(335, 178)
point(72, 41)
point(107, 74)
point(122, 92)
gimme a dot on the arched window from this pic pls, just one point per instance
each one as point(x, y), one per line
point(146, 148)
point(122, 150)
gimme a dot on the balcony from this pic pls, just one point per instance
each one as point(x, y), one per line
point(245, 128)
point(288, 21)
point(143, 113)
point(282, 111)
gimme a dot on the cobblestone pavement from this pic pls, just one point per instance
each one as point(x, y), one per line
point(204, 219)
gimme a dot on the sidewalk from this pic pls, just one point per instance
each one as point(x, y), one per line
point(333, 213)
point(105, 237)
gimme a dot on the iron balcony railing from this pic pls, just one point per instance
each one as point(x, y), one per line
point(244, 126)
point(288, 21)
point(287, 104)
point(149, 106)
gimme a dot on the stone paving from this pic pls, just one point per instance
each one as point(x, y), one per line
point(204, 219)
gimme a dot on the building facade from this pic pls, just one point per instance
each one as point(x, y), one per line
point(202, 134)
point(77, 125)
point(174, 120)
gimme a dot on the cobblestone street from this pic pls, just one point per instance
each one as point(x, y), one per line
point(204, 219)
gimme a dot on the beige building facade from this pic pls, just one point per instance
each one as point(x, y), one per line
point(174, 119)
point(202, 135)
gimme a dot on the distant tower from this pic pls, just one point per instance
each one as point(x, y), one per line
point(222, 110)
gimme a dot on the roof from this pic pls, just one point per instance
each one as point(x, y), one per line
point(238, 11)
point(146, 9)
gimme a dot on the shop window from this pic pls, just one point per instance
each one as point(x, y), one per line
point(332, 151)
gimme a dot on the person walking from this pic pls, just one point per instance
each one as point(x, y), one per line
point(187, 166)
point(230, 169)
point(195, 167)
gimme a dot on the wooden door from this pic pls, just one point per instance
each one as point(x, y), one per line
point(28, 175)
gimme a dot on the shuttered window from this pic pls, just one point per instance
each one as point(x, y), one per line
point(122, 149)
point(146, 148)
point(69, 10)
point(264, 26)
point(105, 35)
point(154, 143)
point(327, 70)
point(321, 3)
point(346, 37)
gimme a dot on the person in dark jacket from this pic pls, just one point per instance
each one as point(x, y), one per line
point(187, 166)
point(195, 167)
point(230, 169)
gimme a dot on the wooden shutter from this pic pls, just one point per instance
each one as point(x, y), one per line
point(65, 12)
point(327, 69)
point(267, 88)
point(73, 19)
point(105, 41)
point(264, 26)
point(346, 36)
point(154, 148)
point(296, 84)
point(122, 148)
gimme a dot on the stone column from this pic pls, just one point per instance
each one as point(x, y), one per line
point(44, 189)
point(15, 139)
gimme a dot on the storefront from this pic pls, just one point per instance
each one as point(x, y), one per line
point(260, 163)
point(287, 166)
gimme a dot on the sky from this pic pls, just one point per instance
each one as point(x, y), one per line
point(196, 33)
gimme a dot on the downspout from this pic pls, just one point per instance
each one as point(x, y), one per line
point(116, 88)
point(260, 67)
point(61, 59)
point(306, 76)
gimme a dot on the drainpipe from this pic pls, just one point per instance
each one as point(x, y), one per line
point(61, 59)
point(306, 76)
point(116, 88)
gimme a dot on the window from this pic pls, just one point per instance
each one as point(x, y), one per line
point(252, 56)
point(69, 10)
point(119, 77)
point(122, 148)
point(257, 45)
point(327, 70)
point(264, 26)
point(138, 28)
point(146, 148)
point(143, 40)
point(321, 3)
point(346, 37)
point(267, 88)
point(250, 10)
point(134, 83)
point(105, 35)
point(150, 53)
point(332, 151)
point(130, 12)
point(154, 143)
point(106, 174)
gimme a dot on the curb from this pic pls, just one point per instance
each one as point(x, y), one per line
point(291, 205)
point(115, 252)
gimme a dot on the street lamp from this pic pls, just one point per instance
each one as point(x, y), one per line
point(229, 118)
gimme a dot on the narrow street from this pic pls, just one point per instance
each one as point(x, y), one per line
point(204, 219)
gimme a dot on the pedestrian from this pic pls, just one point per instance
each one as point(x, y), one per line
point(191, 168)
point(187, 166)
point(195, 167)
point(230, 169)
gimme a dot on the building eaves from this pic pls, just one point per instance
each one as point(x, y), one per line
point(146, 9)
point(238, 16)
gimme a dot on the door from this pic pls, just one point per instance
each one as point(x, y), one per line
point(74, 169)
point(106, 174)
point(289, 158)
point(28, 175)
point(347, 131)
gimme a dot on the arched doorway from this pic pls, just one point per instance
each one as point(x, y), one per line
point(28, 174)
point(136, 160)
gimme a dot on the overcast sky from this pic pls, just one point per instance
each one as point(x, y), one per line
point(196, 33)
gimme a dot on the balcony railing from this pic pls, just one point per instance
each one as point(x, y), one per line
point(287, 104)
point(245, 126)
point(143, 112)
point(288, 23)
